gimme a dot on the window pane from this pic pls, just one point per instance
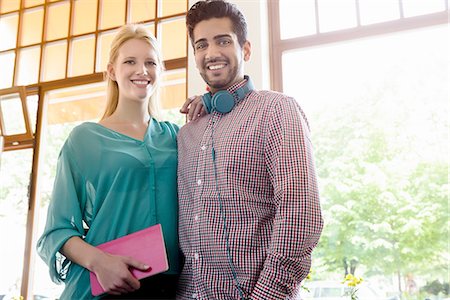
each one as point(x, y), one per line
point(7, 63)
point(297, 18)
point(420, 7)
point(8, 31)
point(54, 61)
point(336, 14)
point(82, 56)
point(104, 43)
point(79, 103)
point(9, 5)
point(30, 3)
point(173, 38)
point(12, 114)
point(32, 26)
point(150, 27)
point(172, 7)
point(57, 21)
point(32, 105)
point(378, 111)
point(173, 89)
point(142, 10)
point(112, 13)
point(374, 11)
point(28, 65)
point(85, 16)
point(14, 179)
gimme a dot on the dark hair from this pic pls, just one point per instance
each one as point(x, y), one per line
point(208, 9)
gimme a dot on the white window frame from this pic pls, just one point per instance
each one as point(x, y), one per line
point(278, 46)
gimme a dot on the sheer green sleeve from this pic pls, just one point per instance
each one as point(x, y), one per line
point(64, 218)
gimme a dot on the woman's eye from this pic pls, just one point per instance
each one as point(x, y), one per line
point(131, 62)
point(152, 63)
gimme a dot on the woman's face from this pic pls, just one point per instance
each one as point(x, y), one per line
point(136, 70)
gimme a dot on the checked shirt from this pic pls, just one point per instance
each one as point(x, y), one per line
point(264, 194)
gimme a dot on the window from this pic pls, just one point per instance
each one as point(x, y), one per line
point(52, 58)
point(376, 96)
point(46, 25)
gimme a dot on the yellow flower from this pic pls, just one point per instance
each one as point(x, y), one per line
point(308, 277)
point(352, 280)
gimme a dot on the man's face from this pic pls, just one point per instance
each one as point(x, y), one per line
point(219, 58)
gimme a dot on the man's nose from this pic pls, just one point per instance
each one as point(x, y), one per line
point(212, 52)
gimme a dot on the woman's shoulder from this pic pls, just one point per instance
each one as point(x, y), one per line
point(168, 124)
point(83, 129)
point(165, 126)
point(83, 134)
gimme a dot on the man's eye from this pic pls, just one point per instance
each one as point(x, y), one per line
point(200, 46)
point(224, 42)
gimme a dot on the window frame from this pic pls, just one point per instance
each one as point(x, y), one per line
point(22, 140)
point(278, 46)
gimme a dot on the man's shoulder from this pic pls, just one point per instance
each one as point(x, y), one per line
point(272, 95)
point(274, 98)
point(193, 127)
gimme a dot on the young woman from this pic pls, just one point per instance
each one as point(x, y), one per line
point(116, 177)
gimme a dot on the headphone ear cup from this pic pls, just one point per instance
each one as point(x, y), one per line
point(206, 99)
point(223, 102)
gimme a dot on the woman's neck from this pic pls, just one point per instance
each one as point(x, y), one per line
point(132, 113)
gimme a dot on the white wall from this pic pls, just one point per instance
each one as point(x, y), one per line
point(258, 67)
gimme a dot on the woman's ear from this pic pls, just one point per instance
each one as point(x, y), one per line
point(110, 71)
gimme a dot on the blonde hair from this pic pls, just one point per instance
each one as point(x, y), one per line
point(128, 32)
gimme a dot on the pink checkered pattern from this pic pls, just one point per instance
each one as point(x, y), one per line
point(267, 183)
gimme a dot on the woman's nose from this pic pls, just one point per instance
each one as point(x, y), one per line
point(142, 70)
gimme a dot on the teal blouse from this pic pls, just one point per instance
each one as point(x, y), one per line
point(113, 185)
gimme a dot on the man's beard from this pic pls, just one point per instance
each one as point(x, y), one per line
point(222, 84)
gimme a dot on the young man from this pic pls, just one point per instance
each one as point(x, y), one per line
point(249, 205)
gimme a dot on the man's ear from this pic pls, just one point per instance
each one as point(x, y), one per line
point(247, 50)
point(111, 72)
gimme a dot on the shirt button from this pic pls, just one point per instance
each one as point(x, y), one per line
point(196, 256)
point(199, 182)
point(203, 148)
point(196, 218)
point(194, 296)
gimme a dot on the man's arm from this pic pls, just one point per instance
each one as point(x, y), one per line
point(298, 220)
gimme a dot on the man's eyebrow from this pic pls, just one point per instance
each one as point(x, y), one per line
point(215, 38)
point(222, 36)
point(200, 40)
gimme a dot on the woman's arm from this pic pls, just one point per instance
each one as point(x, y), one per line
point(112, 271)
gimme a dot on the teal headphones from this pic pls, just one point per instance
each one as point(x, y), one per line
point(224, 101)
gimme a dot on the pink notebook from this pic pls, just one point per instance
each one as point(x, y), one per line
point(146, 245)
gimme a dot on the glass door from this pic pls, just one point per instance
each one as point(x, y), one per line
point(16, 159)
